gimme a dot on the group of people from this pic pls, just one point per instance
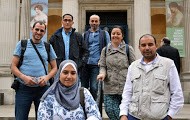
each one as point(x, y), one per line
point(148, 88)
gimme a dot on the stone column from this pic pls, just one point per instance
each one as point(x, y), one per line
point(71, 7)
point(25, 19)
point(9, 32)
point(142, 22)
point(185, 75)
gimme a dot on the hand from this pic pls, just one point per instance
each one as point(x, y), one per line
point(28, 80)
point(43, 81)
point(101, 77)
point(123, 117)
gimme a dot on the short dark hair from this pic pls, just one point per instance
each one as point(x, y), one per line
point(148, 35)
point(40, 22)
point(39, 7)
point(173, 4)
point(69, 15)
point(166, 41)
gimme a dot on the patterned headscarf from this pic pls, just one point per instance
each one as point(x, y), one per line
point(68, 97)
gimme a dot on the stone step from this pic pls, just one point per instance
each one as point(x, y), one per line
point(7, 113)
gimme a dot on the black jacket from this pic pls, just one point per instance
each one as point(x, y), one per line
point(170, 52)
point(78, 51)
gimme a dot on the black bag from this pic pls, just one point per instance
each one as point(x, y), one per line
point(15, 85)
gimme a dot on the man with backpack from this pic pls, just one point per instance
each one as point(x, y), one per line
point(30, 66)
point(69, 44)
point(95, 39)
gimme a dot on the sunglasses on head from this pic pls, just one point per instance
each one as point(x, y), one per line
point(37, 29)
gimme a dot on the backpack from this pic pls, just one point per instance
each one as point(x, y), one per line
point(127, 51)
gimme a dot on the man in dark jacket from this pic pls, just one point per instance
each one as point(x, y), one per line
point(170, 52)
point(69, 44)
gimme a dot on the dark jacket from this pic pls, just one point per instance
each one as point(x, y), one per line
point(78, 51)
point(170, 52)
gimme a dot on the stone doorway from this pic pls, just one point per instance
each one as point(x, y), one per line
point(109, 19)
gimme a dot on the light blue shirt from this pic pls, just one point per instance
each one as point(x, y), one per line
point(66, 40)
point(94, 47)
point(32, 65)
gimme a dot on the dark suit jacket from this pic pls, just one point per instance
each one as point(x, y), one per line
point(170, 52)
point(78, 51)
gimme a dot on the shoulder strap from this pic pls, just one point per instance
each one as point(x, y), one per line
point(86, 35)
point(47, 46)
point(82, 97)
point(38, 55)
point(23, 49)
point(127, 51)
point(102, 39)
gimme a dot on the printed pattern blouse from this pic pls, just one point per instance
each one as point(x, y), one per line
point(50, 109)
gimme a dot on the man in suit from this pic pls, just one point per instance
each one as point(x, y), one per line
point(170, 52)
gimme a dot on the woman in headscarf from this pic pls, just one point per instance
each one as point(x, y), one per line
point(62, 100)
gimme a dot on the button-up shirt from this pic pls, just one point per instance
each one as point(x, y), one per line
point(66, 41)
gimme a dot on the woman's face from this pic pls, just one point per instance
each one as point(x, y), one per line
point(116, 35)
point(68, 76)
point(37, 11)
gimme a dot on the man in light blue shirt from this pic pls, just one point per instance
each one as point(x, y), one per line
point(32, 77)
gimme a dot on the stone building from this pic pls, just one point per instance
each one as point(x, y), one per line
point(136, 16)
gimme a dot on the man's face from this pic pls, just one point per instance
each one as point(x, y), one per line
point(148, 48)
point(94, 22)
point(67, 22)
point(38, 31)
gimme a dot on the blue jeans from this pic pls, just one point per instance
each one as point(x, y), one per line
point(89, 79)
point(130, 117)
point(23, 99)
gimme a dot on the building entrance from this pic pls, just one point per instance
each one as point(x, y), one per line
point(108, 19)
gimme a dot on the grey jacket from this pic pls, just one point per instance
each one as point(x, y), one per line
point(151, 95)
point(114, 64)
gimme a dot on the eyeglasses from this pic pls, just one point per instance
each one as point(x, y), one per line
point(67, 20)
point(37, 29)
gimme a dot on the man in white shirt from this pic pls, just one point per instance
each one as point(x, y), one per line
point(152, 89)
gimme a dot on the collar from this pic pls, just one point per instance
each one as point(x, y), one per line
point(63, 31)
point(151, 62)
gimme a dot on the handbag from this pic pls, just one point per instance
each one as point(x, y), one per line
point(15, 84)
point(51, 80)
